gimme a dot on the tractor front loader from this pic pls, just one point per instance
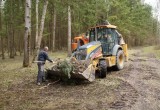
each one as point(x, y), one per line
point(106, 48)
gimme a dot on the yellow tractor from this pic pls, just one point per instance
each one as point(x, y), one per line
point(106, 48)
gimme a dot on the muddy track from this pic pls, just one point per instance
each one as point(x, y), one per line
point(143, 73)
point(126, 96)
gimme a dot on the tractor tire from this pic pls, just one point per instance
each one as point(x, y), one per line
point(102, 68)
point(120, 60)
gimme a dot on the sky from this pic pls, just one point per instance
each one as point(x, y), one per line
point(154, 3)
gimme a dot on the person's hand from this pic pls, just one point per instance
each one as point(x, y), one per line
point(53, 61)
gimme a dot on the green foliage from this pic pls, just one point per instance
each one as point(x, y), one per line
point(66, 68)
point(133, 19)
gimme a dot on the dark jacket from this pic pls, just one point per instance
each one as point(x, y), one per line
point(43, 56)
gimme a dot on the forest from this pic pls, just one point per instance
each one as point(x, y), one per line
point(134, 19)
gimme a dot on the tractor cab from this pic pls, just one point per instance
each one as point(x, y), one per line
point(107, 35)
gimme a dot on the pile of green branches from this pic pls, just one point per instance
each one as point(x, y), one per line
point(66, 67)
point(69, 66)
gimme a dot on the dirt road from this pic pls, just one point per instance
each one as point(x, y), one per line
point(143, 73)
point(136, 87)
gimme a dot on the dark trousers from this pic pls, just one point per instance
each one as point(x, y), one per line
point(41, 74)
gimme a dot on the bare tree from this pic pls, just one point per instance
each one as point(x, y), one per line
point(54, 30)
point(2, 47)
point(158, 18)
point(11, 32)
point(41, 30)
point(69, 31)
point(27, 33)
point(37, 1)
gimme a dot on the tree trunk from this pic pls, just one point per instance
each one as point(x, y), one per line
point(42, 23)
point(2, 44)
point(41, 30)
point(2, 47)
point(27, 33)
point(8, 39)
point(54, 30)
point(36, 21)
point(12, 53)
point(11, 41)
point(69, 31)
point(19, 45)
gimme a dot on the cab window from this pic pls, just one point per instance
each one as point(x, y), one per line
point(92, 35)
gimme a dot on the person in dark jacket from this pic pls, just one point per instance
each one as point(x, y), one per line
point(42, 57)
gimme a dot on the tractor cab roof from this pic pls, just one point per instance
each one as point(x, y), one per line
point(105, 26)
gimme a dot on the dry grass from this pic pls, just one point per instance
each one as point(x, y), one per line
point(154, 50)
point(17, 84)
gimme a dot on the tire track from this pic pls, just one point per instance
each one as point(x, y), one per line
point(144, 75)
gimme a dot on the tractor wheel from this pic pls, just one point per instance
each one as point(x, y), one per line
point(120, 60)
point(102, 68)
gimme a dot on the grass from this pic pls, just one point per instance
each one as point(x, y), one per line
point(58, 54)
point(11, 70)
point(152, 50)
point(18, 89)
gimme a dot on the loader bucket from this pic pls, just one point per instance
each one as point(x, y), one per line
point(88, 74)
